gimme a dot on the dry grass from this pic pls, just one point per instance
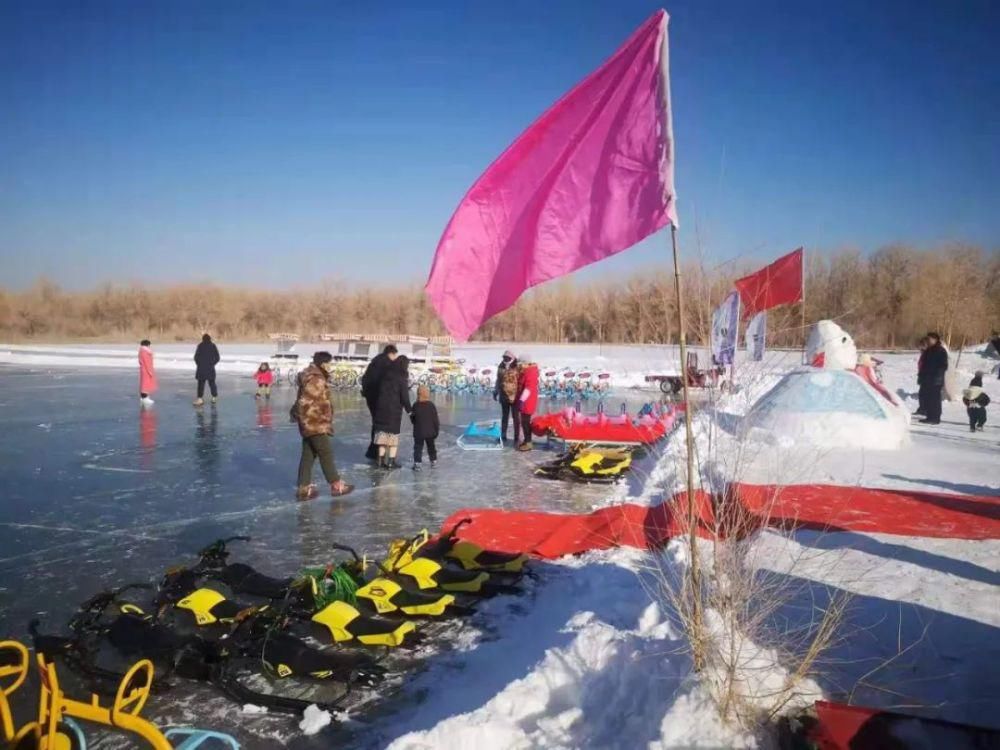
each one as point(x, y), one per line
point(754, 659)
point(886, 299)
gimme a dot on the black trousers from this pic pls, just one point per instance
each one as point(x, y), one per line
point(211, 387)
point(418, 450)
point(525, 426)
point(372, 452)
point(930, 397)
point(921, 398)
point(313, 447)
point(977, 416)
point(505, 409)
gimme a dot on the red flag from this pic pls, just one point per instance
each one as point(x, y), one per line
point(777, 284)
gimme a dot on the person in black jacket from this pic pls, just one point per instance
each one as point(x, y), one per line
point(393, 400)
point(934, 366)
point(425, 427)
point(371, 381)
point(206, 357)
point(505, 389)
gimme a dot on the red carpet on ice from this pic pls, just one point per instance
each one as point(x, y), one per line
point(822, 507)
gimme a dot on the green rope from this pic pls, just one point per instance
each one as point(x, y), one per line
point(337, 585)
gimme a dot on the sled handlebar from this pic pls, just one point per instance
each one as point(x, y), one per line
point(349, 550)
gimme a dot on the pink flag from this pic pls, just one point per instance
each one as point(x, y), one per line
point(591, 177)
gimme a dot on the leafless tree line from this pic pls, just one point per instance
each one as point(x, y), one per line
point(888, 298)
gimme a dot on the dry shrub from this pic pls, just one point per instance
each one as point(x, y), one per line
point(886, 299)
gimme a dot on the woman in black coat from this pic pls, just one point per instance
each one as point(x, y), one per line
point(206, 357)
point(393, 400)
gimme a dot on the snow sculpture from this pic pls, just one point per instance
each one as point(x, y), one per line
point(831, 347)
point(830, 409)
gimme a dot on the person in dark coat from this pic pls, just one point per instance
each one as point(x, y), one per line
point(505, 390)
point(425, 427)
point(976, 401)
point(393, 400)
point(921, 410)
point(935, 365)
point(206, 357)
point(371, 382)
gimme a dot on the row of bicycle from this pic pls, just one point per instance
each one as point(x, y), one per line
point(553, 383)
point(565, 383)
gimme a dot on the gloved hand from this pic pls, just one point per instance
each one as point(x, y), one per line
point(496, 396)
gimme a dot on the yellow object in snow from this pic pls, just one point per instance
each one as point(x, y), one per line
point(389, 596)
point(346, 623)
point(209, 607)
point(601, 463)
point(474, 557)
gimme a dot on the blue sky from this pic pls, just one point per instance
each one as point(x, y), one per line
point(277, 144)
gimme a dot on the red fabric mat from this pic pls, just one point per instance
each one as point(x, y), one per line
point(843, 727)
point(833, 508)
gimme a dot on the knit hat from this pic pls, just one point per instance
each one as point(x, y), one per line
point(509, 354)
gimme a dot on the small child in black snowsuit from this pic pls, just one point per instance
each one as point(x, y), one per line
point(976, 401)
point(425, 427)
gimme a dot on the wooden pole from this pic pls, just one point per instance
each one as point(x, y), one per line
point(695, 573)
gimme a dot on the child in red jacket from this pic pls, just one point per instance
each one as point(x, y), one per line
point(264, 378)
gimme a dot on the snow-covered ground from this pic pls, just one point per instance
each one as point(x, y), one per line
point(628, 364)
point(590, 660)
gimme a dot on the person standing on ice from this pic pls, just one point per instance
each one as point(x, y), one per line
point(426, 427)
point(393, 400)
point(505, 392)
point(976, 401)
point(371, 382)
point(147, 373)
point(206, 357)
point(932, 373)
point(527, 400)
point(313, 411)
point(921, 409)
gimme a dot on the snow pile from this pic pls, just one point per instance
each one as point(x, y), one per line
point(592, 662)
point(829, 408)
point(314, 719)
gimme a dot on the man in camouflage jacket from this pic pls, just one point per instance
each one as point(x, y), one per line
point(313, 412)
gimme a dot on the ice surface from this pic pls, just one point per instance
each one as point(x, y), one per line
point(96, 492)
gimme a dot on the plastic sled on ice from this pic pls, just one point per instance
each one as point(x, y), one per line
point(481, 436)
point(185, 738)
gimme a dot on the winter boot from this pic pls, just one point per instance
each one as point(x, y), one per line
point(146, 401)
point(215, 400)
point(525, 446)
point(199, 402)
point(391, 464)
point(307, 492)
point(416, 467)
point(340, 488)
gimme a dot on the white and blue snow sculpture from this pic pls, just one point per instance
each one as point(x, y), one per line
point(829, 408)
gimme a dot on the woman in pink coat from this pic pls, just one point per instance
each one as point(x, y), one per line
point(147, 375)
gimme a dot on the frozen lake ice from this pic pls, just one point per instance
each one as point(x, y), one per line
point(96, 493)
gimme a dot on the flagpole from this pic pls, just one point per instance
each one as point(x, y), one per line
point(736, 342)
point(802, 306)
point(695, 582)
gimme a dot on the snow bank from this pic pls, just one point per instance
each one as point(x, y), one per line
point(591, 662)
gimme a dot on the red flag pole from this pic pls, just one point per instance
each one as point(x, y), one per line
point(802, 307)
point(695, 582)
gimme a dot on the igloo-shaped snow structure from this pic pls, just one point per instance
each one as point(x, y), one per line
point(830, 408)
